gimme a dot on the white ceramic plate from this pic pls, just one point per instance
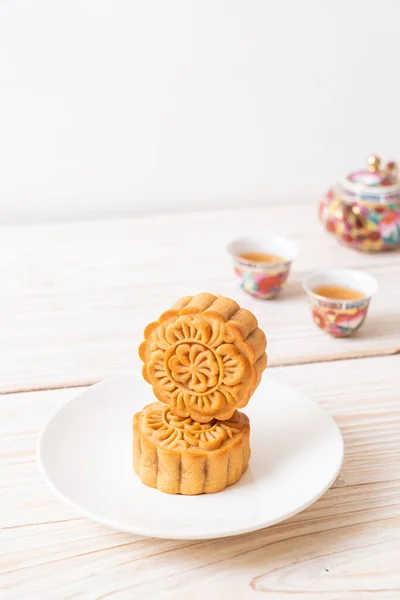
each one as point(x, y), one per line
point(85, 455)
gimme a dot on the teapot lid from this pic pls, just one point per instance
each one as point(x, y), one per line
point(373, 184)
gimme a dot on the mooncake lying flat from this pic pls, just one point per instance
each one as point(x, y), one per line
point(180, 456)
point(204, 357)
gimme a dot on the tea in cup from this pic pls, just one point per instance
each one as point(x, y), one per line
point(339, 299)
point(262, 263)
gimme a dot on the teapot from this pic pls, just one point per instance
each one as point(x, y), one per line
point(363, 210)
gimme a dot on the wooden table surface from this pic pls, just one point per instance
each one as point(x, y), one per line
point(74, 300)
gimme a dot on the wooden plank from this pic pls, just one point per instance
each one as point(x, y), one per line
point(345, 547)
point(76, 297)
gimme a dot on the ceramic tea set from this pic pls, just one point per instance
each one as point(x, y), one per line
point(363, 212)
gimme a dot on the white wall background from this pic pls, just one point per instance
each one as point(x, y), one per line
point(115, 106)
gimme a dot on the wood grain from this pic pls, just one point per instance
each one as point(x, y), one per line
point(345, 547)
point(76, 296)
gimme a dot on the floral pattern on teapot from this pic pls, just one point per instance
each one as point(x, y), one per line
point(364, 212)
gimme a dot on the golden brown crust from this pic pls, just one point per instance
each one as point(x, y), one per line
point(181, 456)
point(204, 357)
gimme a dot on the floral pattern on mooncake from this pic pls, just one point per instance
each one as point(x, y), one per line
point(171, 431)
point(204, 357)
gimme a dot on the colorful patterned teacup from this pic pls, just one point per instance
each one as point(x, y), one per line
point(340, 318)
point(258, 278)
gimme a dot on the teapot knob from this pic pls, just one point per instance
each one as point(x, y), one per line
point(373, 163)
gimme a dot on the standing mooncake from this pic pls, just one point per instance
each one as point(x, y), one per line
point(204, 357)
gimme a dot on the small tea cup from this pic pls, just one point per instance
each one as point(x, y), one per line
point(262, 279)
point(339, 318)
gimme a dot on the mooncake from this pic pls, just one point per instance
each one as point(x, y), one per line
point(204, 357)
point(180, 456)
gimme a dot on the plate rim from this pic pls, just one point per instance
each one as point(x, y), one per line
point(172, 535)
